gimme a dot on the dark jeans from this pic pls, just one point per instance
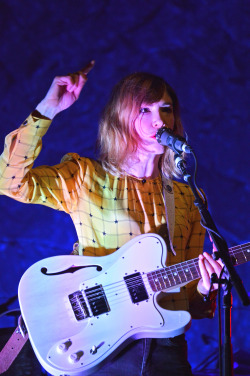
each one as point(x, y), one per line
point(150, 357)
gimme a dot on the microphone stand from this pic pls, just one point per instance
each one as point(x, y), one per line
point(232, 279)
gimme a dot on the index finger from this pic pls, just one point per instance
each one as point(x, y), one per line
point(88, 67)
point(215, 264)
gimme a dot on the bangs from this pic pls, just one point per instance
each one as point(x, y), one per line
point(144, 87)
point(149, 89)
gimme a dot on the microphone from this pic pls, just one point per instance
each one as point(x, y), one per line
point(166, 137)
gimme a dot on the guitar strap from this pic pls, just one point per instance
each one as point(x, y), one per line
point(12, 349)
point(168, 195)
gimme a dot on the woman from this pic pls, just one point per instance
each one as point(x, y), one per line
point(118, 197)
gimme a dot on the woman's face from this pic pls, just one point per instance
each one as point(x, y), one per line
point(151, 118)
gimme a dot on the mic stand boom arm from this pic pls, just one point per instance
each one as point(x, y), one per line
point(223, 254)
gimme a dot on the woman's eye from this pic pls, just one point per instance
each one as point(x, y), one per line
point(144, 110)
point(167, 109)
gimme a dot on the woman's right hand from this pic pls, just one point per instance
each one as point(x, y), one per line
point(64, 91)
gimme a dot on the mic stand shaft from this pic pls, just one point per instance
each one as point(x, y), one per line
point(227, 354)
point(223, 254)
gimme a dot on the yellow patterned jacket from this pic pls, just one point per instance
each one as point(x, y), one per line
point(107, 210)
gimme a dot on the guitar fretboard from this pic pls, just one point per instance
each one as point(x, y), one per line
point(187, 271)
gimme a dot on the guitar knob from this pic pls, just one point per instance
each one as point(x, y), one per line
point(63, 347)
point(93, 350)
point(75, 357)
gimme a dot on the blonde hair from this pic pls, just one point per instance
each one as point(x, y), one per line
point(117, 137)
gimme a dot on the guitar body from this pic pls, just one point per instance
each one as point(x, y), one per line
point(80, 311)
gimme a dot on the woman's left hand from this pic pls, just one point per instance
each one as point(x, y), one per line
point(208, 266)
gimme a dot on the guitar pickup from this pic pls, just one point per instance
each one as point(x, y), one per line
point(79, 305)
point(136, 287)
point(97, 300)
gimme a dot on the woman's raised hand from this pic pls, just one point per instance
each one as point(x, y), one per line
point(63, 92)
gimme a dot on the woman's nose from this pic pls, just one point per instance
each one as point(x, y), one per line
point(157, 121)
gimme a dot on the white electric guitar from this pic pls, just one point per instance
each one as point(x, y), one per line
point(79, 310)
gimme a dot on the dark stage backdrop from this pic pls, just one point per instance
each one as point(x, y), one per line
point(200, 47)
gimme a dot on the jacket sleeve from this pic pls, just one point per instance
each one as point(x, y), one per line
point(52, 186)
point(199, 308)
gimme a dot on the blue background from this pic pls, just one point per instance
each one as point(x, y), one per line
point(200, 47)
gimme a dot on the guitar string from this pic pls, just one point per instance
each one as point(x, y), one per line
point(172, 273)
point(116, 298)
point(165, 270)
point(122, 293)
point(183, 265)
point(179, 268)
point(159, 288)
point(166, 273)
point(246, 245)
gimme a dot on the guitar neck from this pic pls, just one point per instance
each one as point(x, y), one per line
point(187, 271)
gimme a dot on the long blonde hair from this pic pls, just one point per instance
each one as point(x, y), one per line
point(117, 137)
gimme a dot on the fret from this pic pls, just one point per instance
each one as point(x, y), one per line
point(193, 269)
point(187, 271)
point(182, 276)
point(247, 253)
point(171, 277)
point(240, 253)
point(237, 257)
point(197, 270)
point(166, 279)
point(181, 273)
point(151, 282)
point(161, 280)
point(175, 274)
point(154, 282)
